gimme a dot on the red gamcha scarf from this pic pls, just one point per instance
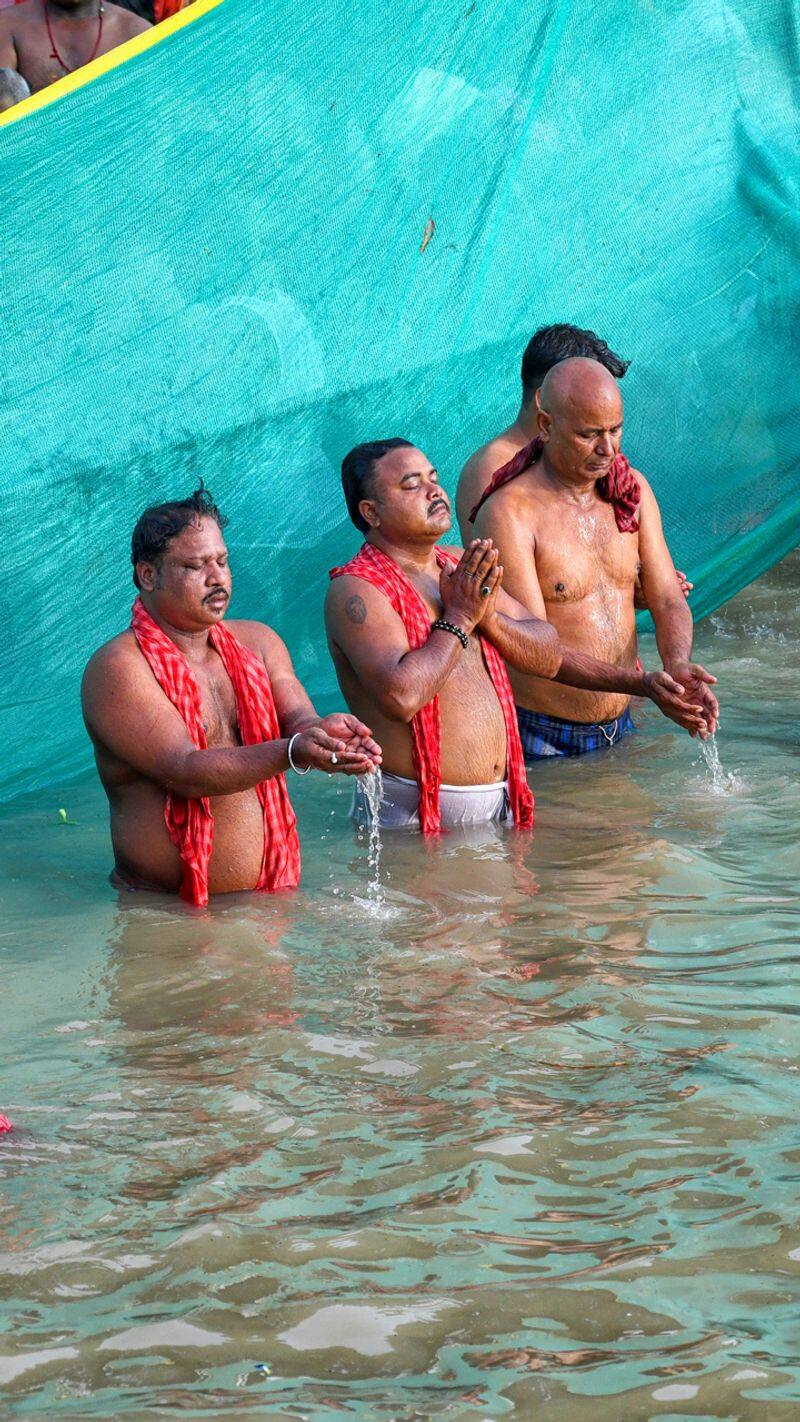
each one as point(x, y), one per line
point(619, 486)
point(190, 823)
point(377, 568)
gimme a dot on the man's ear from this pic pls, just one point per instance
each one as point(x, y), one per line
point(369, 513)
point(544, 421)
point(537, 399)
point(147, 573)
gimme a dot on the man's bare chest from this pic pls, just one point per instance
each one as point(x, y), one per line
point(218, 708)
point(581, 552)
point(37, 61)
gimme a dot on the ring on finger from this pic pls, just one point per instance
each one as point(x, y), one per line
point(334, 758)
point(485, 590)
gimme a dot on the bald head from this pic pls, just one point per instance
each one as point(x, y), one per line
point(578, 380)
point(580, 419)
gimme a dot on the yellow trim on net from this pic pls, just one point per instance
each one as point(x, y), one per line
point(107, 62)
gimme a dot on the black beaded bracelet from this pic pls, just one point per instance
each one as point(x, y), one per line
point(451, 627)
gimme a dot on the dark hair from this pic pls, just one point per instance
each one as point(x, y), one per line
point(550, 344)
point(159, 524)
point(358, 468)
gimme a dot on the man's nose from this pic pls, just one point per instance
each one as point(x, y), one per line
point(605, 445)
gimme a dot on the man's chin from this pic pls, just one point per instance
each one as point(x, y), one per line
point(214, 612)
point(441, 521)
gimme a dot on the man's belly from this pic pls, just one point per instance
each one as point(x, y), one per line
point(146, 857)
point(599, 629)
point(473, 740)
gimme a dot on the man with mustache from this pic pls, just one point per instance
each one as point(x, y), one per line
point(46, 39)
point(194, 723)
point(420, 635)
point(576, 526)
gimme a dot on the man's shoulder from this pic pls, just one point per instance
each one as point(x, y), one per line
point(491, 456)
point(255, 635)
point(126, 21)
point(116, 652)
point(118, 659)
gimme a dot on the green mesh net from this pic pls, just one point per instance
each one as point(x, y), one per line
point(212, 267)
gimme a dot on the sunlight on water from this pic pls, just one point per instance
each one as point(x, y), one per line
point(464, 1130)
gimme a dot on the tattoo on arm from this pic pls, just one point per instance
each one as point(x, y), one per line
point(356, 609)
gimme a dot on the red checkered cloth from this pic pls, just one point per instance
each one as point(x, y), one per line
point(619, 486)
point(190, 823)
point(162, 9)
point(377, 568)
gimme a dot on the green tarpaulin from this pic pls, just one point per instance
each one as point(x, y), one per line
point(212, 267)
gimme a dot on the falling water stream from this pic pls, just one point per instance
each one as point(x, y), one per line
point(373, 789)
point(465, 1130)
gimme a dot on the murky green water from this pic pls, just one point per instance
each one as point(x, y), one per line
point(525, 1144)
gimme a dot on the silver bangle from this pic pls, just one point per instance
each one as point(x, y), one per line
point(292, 740)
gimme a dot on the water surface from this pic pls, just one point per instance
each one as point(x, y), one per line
point(518, 1139)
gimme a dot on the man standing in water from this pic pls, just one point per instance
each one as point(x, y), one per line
point(547, 346)
point(420, 635)
point(194, 723)
point(575, 526)
point(46, 39)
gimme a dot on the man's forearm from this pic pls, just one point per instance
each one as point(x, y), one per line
point(228, 770)
point(577, 669)
point(530, 646)
point(674, 632)
point(420, 675)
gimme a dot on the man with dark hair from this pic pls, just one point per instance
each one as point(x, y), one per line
point(194, 722)
point(546, 348)
point(420, 635)
point(576, 527)
point(46, 39)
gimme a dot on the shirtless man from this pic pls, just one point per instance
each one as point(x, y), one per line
point(79, 31)
point(167, 703)
point(566, 558)
point(405, 626)
point(546, 348)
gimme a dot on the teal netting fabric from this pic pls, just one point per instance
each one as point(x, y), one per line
point(211, 266)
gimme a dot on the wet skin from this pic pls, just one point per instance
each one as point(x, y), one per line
point(143, 748)
point(564, 556)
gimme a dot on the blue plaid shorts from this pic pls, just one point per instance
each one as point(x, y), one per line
point(546, 736)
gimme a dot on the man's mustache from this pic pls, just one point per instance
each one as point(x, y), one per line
point(438, 504)
point(215, 592)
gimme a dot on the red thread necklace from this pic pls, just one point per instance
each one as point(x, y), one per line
point(54, 47)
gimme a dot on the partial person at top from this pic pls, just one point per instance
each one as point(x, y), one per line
point(155, 10)
point(576, 527)
point(420, 636)
point(195, 720)
point(44, 40)
point(13, 89)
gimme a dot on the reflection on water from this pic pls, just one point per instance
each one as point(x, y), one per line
point(527, 1141)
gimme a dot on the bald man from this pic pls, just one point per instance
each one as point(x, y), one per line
point(574, 529)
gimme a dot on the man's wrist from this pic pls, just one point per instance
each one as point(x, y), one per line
point(459, 620)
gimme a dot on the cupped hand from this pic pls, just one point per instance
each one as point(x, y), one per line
point(670, 696)
point(460, 586)
point(339, 744)
point(357, 738)
point(697, 684)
